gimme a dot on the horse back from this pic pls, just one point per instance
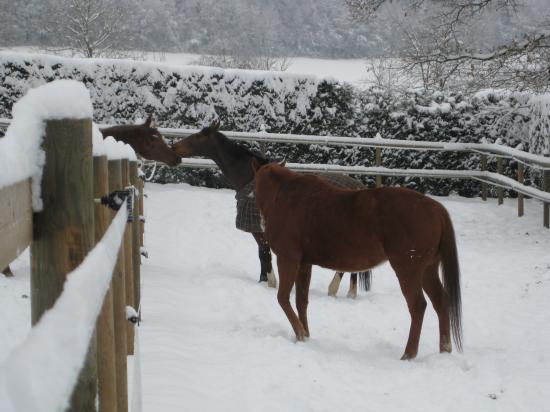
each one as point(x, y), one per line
point(352, 230)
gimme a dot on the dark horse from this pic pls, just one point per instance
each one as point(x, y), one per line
point(146, 141)
point(308, 222)
point(234, 162)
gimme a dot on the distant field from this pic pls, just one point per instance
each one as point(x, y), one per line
point(347, 70)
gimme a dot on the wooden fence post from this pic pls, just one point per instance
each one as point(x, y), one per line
point(378, 163)
point(483, 184)
point(136, 253)
point(119, 304)
point(521, 179)
point(106, 365)
point(128, 263)
point(546, 188)
point(500, 190)
point(63, 232)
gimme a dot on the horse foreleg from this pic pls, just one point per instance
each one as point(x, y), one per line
point(411, 286)
point(288, 271)
point(302, 292)
point(434, 289)
point(264, 253)
point(335, 284)
point(352, 293)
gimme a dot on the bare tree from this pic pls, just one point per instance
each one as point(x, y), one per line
point(91, 28)
point(438, 42)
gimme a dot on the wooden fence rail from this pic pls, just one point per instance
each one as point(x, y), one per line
point(61, 235)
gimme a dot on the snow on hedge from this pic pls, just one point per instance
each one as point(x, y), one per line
point(21, 156)
point(244, 101)
point(40, 374)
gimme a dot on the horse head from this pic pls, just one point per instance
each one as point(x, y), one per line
point(198, 144)
point(146, 141)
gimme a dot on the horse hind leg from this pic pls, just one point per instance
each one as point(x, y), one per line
point(352, 293)
point(440, 302)
point(411, 287)
point(302, 295)
point(288, 272)
point(7, 272)
point(335, 284)
point(264, 253)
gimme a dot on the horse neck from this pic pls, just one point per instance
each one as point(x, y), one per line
point(235, 166)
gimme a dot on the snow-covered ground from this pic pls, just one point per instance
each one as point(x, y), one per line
point(213, 339)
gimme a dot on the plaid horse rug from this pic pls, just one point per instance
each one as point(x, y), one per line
point(248, 214)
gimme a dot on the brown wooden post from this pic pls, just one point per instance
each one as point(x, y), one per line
point(500, 190)
point(119, 304)
point(141, 211)
point(106, 365)
point(63, 232)
point(128, 262)
point(546, 188)
point(484, 189)
point(263, 148)
point(136, 256)
point(15, 222)
point(521, 179)
point(378, 164)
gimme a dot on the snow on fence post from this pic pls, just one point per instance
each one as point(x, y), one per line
point(521, 178)
point(63, 231)
point(106, 364)
point(136, 254)
point(128, 263)
point(119, 306)
point(483, 184)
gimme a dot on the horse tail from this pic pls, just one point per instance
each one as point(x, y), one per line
point(365, 280)
point(451, 279)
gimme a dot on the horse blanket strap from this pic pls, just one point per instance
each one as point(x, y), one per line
point(248, 214)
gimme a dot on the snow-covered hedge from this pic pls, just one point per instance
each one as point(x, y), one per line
point(285, 103)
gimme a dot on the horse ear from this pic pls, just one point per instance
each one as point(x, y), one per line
point(255, 165)
point(282, 163)
point(215, 124)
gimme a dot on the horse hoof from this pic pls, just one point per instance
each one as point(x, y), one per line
point(352, 295)
point(407, 356)
point(271, 280)
point(445, 348)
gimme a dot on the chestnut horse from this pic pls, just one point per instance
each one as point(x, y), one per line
point(234, 162)
point(309, 222)
point(146, 141)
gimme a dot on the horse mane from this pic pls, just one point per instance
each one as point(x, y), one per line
point(236, 149)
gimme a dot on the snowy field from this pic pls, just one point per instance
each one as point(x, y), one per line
point(213, 339)
point(353, 71)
